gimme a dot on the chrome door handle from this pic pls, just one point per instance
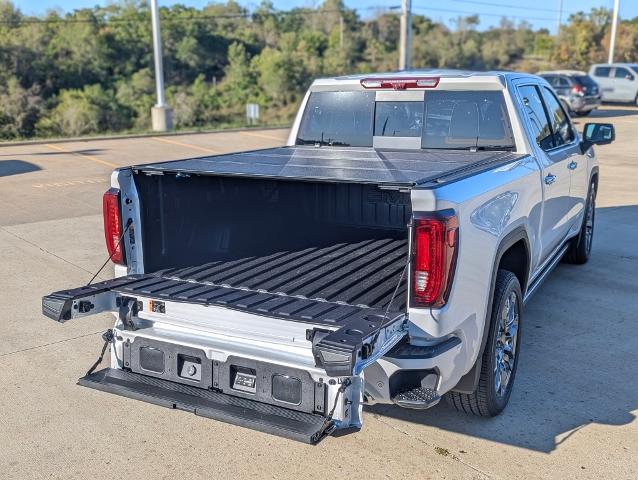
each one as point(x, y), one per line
point(572, 165)
point(549, 179)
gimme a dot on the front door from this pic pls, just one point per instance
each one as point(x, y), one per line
point(624, 85)
point(567, 148)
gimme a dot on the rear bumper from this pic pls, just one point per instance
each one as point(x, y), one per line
point(584, 104)
point(409, 366)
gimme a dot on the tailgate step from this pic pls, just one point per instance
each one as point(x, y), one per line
point(417, 398)
point(303, 427)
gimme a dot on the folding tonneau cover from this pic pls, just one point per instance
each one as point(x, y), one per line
point(401, 168)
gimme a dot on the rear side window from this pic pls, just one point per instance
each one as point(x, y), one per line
point(533, 107)
point(561, 126)
point(602, 71)
point(459, 119)
point(563, 82)
point(338, 119)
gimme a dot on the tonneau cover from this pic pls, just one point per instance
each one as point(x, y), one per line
point(361, 165)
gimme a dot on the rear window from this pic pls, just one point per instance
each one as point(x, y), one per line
point(444, 120)
point(584, 80)
point(398, 119)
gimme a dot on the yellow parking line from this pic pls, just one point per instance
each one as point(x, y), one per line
point(88, 157)
point(187, 145)
point(262, 135)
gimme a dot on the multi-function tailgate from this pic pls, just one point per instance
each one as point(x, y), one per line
point(345, 338)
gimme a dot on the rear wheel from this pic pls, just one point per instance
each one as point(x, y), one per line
point(500, 358)
point(580, 247)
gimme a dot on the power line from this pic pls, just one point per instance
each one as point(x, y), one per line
point(504, 5)
point(465, 12)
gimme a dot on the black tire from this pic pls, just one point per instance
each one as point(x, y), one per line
point(488, 400)
point(580, 247)
point(584, 113)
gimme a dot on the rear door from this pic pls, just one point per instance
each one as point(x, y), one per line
point(554, 159)
point(601, 75)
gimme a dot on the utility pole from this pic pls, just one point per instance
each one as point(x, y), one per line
point(614, 26)
point(161, 115)
point(405, 45)
point(560, 17)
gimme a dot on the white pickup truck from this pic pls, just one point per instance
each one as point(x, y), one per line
point(383, 255)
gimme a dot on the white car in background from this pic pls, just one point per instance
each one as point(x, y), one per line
point(618, 81)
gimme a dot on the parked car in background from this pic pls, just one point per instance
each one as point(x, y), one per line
point(618, 81)
point(577, 91)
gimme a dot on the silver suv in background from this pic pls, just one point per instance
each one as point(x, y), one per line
point(618, 81)
point(578, 92)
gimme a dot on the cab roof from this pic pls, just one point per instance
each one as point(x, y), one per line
point(496, 76)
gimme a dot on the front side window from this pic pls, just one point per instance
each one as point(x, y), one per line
point(462, 120)
point(561, 126)
point(623, 73)
point(533, 107)
point(338, 119)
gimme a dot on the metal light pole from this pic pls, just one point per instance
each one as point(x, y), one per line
point(161, 115)
point(405, 42)
point(560, 16)
point(614, 26)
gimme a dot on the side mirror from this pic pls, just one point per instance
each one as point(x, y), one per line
point(597, 134)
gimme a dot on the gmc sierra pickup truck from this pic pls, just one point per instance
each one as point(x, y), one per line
point(384, 254)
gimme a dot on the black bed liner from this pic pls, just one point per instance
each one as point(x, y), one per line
point(403, 168)
point(328, 285)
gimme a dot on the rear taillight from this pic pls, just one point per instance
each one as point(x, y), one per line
point(435, 245)
point(578, 90)
point(113, 225)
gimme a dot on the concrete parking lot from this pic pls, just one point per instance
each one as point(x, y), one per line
point(572, 413)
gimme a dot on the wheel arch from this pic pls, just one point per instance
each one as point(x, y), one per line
point(513, 254)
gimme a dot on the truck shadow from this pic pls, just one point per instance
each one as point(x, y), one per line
point(16, 167)
point(577, 353)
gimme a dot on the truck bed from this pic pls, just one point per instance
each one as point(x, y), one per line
point(328, 285)
point(405, 168)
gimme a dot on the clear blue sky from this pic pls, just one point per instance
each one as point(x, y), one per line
point(541, 13)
